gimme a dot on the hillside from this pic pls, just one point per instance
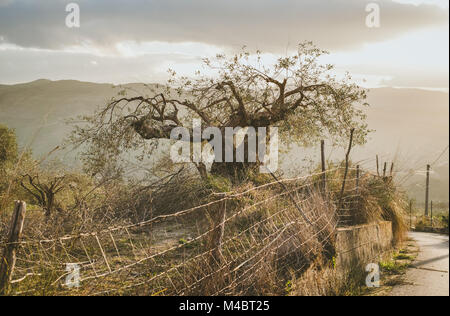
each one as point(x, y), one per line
point(411, 125)
point(38, 110)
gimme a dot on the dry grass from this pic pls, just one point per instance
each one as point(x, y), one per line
point(380, 200)
point(267, 249)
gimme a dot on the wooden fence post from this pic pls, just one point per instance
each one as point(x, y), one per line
point(322, 158)
point(384, 169)
point(8, 259)
point(358, 172)
point(410, 214)
point(378, 166)
point(347, 157)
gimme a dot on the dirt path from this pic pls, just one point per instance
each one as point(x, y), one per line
point(429, 275)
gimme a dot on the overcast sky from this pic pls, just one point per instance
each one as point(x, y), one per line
point(138, 40)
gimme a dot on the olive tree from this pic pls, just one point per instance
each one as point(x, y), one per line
point(304, 98)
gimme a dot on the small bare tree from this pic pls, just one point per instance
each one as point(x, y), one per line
point(44, 192)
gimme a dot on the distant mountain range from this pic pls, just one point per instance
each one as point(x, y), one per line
point(412, 125)
point(38, 110)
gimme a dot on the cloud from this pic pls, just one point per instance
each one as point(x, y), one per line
point(23, 65)
point(4, 3)
point(269, 25)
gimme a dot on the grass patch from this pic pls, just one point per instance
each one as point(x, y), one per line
point(403, 256)
point(400, 262)
point(393, 267)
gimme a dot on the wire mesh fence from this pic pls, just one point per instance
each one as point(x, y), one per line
point(240, 243)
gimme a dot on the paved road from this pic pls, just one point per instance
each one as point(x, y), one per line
point(429, 277)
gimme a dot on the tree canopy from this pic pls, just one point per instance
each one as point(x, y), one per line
point(299, 94)
point(8, 146)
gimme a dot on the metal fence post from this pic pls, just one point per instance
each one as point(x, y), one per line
point(427, 192)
